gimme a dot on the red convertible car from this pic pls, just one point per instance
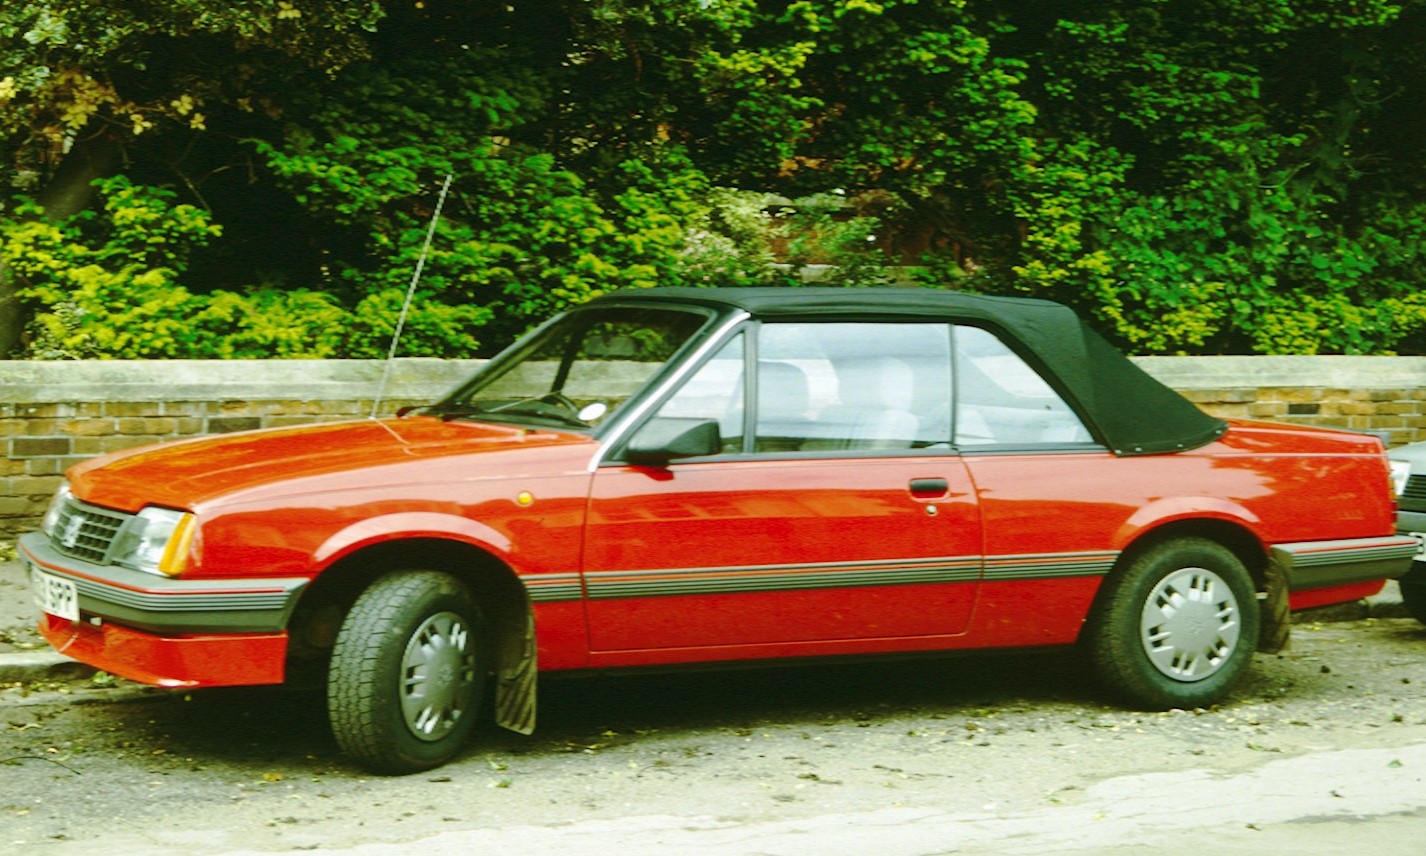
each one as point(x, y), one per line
point(672, 476)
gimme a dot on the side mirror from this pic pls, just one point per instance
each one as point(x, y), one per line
point(664, 439)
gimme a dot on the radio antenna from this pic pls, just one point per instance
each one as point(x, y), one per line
point(410, 293)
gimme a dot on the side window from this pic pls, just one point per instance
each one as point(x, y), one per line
point(847, 386)
point(1000, 400)
point(715, 392)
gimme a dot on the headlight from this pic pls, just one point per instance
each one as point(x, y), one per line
point(1400, 475)
point(56, 508)
point(156, 540)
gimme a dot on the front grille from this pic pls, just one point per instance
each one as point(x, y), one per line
point(1414, 497)
point(86, 532)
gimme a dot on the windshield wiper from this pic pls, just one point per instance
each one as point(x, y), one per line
point(551, 405)
point(546, 411)
point(447, 410)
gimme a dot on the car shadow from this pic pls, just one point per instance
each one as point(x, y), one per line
point(706, 697)
point(274, 727)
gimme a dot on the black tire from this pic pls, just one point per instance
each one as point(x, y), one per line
point(1176, 626)
point(406, 673)
point(1413, 591)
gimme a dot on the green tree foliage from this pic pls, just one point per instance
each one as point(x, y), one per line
point(107, 284)
point(92, 87)
point(1231, 176)
point(1228, 176)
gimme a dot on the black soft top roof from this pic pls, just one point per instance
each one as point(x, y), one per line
point(1131, 412)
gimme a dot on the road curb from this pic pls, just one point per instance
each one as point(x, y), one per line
point(30, 666)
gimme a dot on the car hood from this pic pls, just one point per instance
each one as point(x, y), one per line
point(189, 473)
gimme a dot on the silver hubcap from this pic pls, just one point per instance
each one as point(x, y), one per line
point(437, 676)
point(1190, 624)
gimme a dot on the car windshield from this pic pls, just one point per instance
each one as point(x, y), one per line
point(576, 371)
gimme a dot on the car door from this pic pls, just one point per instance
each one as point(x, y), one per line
point(836, 518)
point(1052, 499)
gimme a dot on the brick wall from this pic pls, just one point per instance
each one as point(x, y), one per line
point(1379, 394)
point(54, 414)
point(43, 440)
point(1399, 413)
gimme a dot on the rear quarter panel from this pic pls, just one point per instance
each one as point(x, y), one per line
point(1282, 485)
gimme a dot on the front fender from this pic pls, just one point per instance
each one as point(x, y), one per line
point(515, 654)
point(410, 524)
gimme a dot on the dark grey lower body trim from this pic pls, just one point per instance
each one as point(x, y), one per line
point(165, 606)
point(1038, 566)
point(1321, 564)
point(605, 585)
point(551, 588)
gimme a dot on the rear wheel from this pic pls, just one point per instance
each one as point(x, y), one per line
point(406, 673)
point(1176, 627)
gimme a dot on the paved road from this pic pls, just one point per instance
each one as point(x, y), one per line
point(1332, 802)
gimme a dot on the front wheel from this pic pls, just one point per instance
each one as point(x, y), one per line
point(1413, 591)
point(1177, 627)
point(406, 673)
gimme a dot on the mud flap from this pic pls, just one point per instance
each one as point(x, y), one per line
point(516, 676)
point(1276, 612)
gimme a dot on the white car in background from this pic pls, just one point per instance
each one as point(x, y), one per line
point(1408, 468)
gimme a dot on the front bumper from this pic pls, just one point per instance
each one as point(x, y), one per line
point(169, 606)
point(232, 660)
point(169, 632)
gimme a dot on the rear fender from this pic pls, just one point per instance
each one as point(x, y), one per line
point(1238, 528)
point(1175, 509)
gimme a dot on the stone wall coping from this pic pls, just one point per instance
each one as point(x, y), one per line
point(1325, 372)
point(421, 379)
point(412, 378)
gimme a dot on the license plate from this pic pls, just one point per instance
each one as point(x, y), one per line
point(55, 595)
